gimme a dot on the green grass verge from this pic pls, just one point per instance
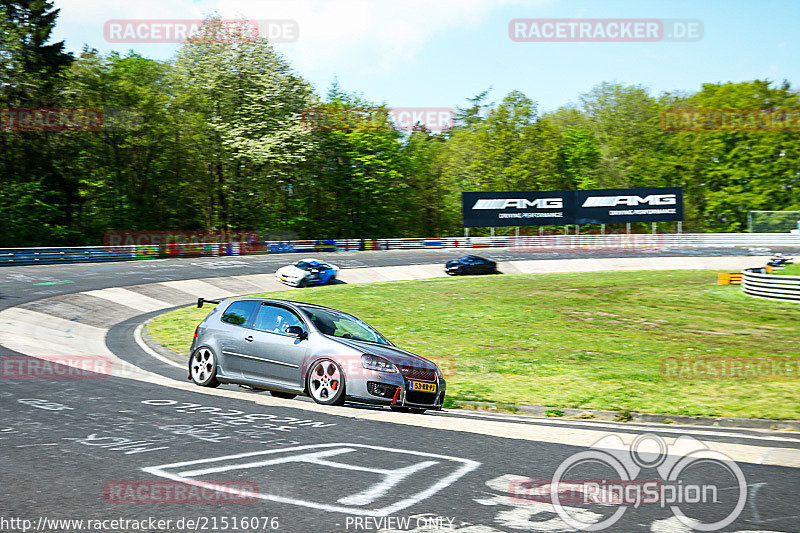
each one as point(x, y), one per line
point(791, 270)
point(580, 340)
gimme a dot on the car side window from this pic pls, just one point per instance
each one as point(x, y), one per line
point(239, 312)
point(275, 319)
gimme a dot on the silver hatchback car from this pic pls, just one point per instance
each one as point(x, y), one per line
point(293, 348)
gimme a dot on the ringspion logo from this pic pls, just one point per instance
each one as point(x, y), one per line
point(704, 489)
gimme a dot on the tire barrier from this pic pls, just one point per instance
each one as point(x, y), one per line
point(729, 278)
point(634, 241)
point(756, 282)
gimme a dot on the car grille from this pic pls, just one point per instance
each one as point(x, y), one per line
point(425, 398)
point(418, 372)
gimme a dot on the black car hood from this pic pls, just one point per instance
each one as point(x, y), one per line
point(393, 354)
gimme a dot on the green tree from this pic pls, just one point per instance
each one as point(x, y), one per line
point(29, 77)
point(728, 173)
point(578, 158)
point(250, 101)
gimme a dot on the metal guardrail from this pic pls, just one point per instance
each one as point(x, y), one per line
point(634, 241)
point(756, 282)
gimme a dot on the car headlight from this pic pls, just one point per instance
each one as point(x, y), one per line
point(373, 362)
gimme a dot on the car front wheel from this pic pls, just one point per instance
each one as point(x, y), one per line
point(326, 383)
point(203, 367)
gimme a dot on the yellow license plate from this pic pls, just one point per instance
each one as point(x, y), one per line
point(424, 387)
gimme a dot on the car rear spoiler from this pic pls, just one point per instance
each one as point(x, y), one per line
point(201, 301)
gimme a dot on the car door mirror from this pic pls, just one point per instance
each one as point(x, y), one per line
point(297, 331)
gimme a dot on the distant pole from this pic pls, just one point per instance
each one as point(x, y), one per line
point(602, 229)
point(566, 231)
point(653, 226)
point(577, 229)
point(628, 227)
point(466, 232)
point(491, 231)
point(541, 231)
point(680, 227)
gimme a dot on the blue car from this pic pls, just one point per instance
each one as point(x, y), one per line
point(307, 272)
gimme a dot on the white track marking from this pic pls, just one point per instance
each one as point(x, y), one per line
point(390, 477)
point(24, 331)
point(198, 288)
point(137, 336)
point(129, 298)
point(34, 333)
point(658, 428)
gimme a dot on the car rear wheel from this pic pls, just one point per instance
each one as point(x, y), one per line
point(326, 383)
point(284, 395)
point(203, 367)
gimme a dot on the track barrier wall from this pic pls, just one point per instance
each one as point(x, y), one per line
point(756, 282)
point(635, 241)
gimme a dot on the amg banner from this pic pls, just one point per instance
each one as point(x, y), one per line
point(531, 208)
point(553, 208)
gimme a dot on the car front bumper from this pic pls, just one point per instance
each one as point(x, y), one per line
point(381, 388)
point(294, 282)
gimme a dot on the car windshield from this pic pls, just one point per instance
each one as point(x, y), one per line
point(302, 265)
point(338, 324)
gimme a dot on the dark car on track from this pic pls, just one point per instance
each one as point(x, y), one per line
point(470, 264)
point(292, 348)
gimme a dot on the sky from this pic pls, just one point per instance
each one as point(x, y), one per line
point(438, 53)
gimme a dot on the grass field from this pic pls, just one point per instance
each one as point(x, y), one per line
point(791, 270)
point(581, 340)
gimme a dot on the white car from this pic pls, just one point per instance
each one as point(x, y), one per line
point(307, 272)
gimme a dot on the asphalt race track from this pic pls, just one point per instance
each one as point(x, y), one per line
point(136, 442)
